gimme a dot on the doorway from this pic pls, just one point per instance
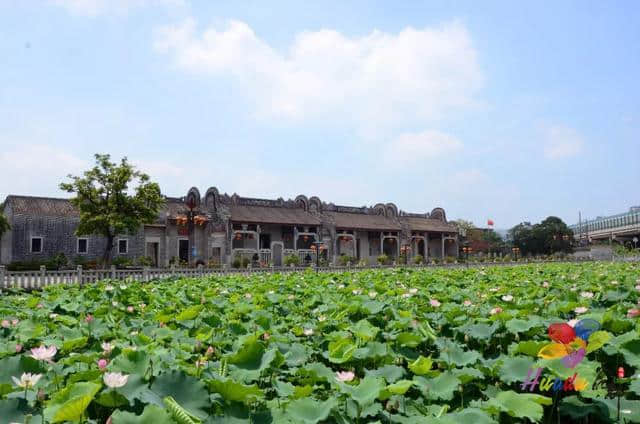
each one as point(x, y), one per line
point(276, 253)
point(183, 250)
point(152, 252)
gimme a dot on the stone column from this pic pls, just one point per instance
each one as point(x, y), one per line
point(442, 245)
point(426, 247)
point(2, 277)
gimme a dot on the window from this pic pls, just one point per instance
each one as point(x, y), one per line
point(123, 246)
point(36, 244)
point(83, 245)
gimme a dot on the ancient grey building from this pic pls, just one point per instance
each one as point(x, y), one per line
point(219, 228)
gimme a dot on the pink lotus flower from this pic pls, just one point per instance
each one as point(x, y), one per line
point(15, 322)
point(209, 351)
point(200, 363)
point(102, 364)
point(5, 323)
point(130, 309)
point(44, 353)
point(345, 376)
point(266, 336)
point(545, 284)
point(587, 295)
point(580, 309)
point(638, 287)
point(89, 319)
point(496, 310)
point(40, 306)
point(467, 303)
point(18, 348)
point(633, 313)
point(435, 303)
point(142, 305)
point(573, 322)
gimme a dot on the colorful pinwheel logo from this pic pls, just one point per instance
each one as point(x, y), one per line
point(569, 342)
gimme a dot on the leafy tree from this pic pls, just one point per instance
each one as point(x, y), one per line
point(4, 222)
point(463, 226)
point(493, 239)
point(105, 202)
point(549, 236)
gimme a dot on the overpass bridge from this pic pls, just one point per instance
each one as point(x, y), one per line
point(623, 228)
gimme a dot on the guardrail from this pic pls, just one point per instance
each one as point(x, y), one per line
point(43, 278)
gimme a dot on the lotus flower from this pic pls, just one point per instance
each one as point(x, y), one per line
point(580, 310)
point(467, 303)
point(248, 295)
point(345, 376)
point(373, 294)
point(406, 295)
point(107, 347)
point(15, 322)
point(413, 291)
point(108, 287)
point(587, 295)
point(210, 350)
point(435, 303)
point(5, 323)
point(291, 297)
point(89, 319)
point(308, 332)
point(356, 291)
point(633, 313)
point(322, 318)
point(115, 379)
point(545, 284)
point(102, 364)
point(573, 322)
point(507, 298)
point(27, 380)
point(614, 283)
point(44, 353)
point(18, 348)
point(496, 310)
point(130, 309)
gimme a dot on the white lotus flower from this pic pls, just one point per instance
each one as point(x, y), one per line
point(108, 287)
point(413, 291)
point(435, 303)
point(322, 318)
point(373, 294)
point(356, 291)
point(614, 283)
point(308, 332)
point(573, 322)
point(467, 303)
point(107, 347)
point(248, 295)
point(507, 298)
point(27, 380)
point(345, 376)
point(406, 295)
point(580, 309)
point(115, 379)
point(545, 284)
point(587, 295)
point(44, 353)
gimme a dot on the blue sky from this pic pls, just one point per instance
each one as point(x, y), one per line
point(506, 110)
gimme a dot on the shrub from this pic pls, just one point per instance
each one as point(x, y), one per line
point(214, 263)
point(291, 260)
point(145, 261)
point(363, 262)
point(346, 259)
point(451, 259)
point(240, 262)
point(56, 262)
point(121, 262)
point(418, 259)
point(383, 259)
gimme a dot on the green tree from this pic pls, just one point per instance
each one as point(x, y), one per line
point(106, 204)
point(4, 222)
point(463, 226)
point(549, 236)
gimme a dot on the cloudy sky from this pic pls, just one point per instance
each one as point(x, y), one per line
point(506, 110)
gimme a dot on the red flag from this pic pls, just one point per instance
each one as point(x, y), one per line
point(490, 222)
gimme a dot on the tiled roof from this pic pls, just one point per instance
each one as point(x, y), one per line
point(363, 221)
point(427, 224)
point(272, 215)
point(41, 206)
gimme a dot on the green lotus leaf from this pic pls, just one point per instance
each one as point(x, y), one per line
point(340, 351)
point(421, 366)
point(515, 369)
point(310, 411)
point(190, 313)
point(131, 362)
point(441, 387)
point(70, 403)
point(365, 392)
point(400, 387)
point(468, 416)
point(235, 392)
point(364, 330)
point(151, 414)
point(409, 339)
point(391, 373)
point(188, 391)
point(520, 405)
point(597, 339)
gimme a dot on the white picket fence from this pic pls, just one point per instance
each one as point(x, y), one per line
point(43, 278)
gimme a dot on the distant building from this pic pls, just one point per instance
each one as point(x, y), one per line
point(221, 228)
point(622, 227)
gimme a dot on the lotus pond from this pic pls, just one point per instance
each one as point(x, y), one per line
point(538, 343)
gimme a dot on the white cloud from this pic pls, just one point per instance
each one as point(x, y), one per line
point(562, 142)
point(100, 7)
point(417, 147)
point(380, 78)
point(36, 169)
